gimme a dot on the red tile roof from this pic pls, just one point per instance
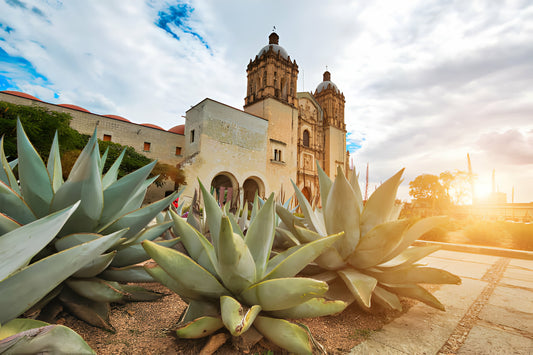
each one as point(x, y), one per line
point(20, 94)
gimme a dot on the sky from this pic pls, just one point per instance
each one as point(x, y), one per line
point(426, 82)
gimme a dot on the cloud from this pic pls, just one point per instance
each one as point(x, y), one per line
point(509, 147)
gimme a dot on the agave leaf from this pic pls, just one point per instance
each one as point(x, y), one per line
point(6, 170)
point(339, 291)
point(302, 255)
point(96, 266)
point(415, 274)
point(135, 200)
point(184, 270)
point(255, 207)
point(276, 294)
point(354, 183)
point(285, 334)
point(284, 237)
point(137, 293)
point(289, 219)
point(97, 290)
point(413, 233)
point(416, 292)
point(18, 209)
point(360, 285)
point(83, 184)
point(260, 236)
point(18, 325)
point(199, 327)
point(53, 166)
point(126, 186)
point(7, 224)
point(305, 235)
point(243, 221)
point(386, 299)
point(134, 254)
point(165, 279)
point(313, 222)
point(213, 213)
point(315, 307)
point(35, 183)
point(27, 286)
point(138, 219)
point(408, 257)
point(380, 204)
point(72, 240)
point(330, 259)
point(379, 241)
point(20, 245)
point(234, 224)
point(111, 176)
point(49, 339)
point(236, 318)
point(132, 273)
point(236, 265)
point(103, 158)
point(342, 214)
point(149, 233)
point(325, 185)
point(198, 247)
point(94, 313)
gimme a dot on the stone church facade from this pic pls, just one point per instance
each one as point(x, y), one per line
point(276, 138)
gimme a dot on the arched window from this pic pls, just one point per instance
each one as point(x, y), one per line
point(306, 138)
point(264, 78)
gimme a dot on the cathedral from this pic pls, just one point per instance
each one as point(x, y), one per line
point(277, 137)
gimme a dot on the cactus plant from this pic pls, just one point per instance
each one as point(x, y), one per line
point(29, 336)
point(232, 281)
point(374, 260)
point(107, 205)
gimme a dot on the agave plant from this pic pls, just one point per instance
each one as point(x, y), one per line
point(374, 260)
point(106, 205)
point(22, 284)
point(30, 336)
point(233, 282)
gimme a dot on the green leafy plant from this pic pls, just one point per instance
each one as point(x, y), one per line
point(374, 259)
point(107, 205)
point(29, 336)
point(233, 282)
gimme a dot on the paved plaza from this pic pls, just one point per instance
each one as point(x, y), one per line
point(491, 312)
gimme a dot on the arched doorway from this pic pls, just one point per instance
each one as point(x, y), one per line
point(252, 186)
point(226, 187)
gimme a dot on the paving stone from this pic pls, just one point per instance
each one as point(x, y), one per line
point(371, 347)
point(484, 340)
point(459, 256)
point(512, 298)
point(459, 268)
point(460, 297)
point(526, 264)
point(518, 276)
point(507, 317)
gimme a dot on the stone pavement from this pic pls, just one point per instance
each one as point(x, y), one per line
point(491, 312)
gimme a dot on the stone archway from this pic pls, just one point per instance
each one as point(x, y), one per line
point(226, 187)
point(251, 186)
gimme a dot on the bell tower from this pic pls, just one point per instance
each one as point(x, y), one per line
point(271, 94)
point(332, 102)
point(272, 74)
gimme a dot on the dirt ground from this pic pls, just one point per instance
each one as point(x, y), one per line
point(148, 328)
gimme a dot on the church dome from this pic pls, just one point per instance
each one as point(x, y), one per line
point(180, 129)
point(326, 83)
point(273, 41)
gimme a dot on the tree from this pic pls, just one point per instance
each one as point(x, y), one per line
point(428, 190)
point(457, 185)
point(40, 126)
